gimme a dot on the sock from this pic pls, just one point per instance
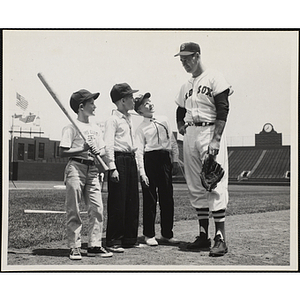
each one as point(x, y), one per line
point(220, 233)
point(203, 219)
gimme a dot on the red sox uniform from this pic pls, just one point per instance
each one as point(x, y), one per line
point(197, 97)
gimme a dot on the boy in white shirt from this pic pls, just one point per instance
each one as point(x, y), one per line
point(82, 176)
point(157, 155)
point(122, 182)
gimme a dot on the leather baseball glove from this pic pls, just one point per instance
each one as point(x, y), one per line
point(211, 173)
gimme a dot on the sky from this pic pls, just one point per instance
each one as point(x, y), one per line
point(261, 66)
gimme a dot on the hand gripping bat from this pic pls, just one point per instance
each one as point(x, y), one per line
point(41, 77)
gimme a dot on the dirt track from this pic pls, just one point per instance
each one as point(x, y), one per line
point(256, 242)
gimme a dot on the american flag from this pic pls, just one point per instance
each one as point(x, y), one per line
point(21, 101)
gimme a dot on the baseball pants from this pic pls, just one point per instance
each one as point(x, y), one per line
point(82, 183)
point(195, 145)
point(158, 169)
point(123, 203)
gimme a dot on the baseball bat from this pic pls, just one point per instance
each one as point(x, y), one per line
point(49, 89)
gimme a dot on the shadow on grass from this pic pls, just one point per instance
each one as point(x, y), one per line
point(60, 252)
point(51, 252)
point(183, 247)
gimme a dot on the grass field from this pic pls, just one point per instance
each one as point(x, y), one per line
point(25, 230)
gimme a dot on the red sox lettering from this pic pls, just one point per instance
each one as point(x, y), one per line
point(201, 89)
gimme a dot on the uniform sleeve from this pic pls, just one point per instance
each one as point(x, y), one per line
point(140, 144)
point(68, 135)
point(222, 105)
point(109, 140)
point(180, 98)
point(220, 84)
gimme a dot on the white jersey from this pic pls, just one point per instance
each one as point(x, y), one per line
point(197, 96)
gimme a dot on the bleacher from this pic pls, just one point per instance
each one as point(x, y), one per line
point(250, 163)
point(275, 164)
point(242, 159)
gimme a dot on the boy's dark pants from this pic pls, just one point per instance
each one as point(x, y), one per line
point(158, 169)
point(123, 203)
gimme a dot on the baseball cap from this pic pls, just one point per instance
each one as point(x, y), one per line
point(138, 101)
point(188, 49)
point(120, 91)
point(78, 97)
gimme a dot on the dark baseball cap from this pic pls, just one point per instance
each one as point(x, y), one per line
point(188, 49)
point(80, 96)
point(138, 101)
point(120, 91)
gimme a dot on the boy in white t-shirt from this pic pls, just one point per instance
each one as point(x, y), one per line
point(82, 176)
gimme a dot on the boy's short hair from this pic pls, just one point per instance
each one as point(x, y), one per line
point(81, 96)
point(138, 101)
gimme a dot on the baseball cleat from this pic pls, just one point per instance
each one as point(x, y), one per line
point(151, 241)
point(219, 248)
point(75, 254)
point(98, 251)
point(201, 243)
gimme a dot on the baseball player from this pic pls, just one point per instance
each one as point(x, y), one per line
point(157, 154)
point(82, 176)
point(201, 117)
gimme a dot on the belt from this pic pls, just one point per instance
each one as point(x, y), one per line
point(200, 124)
point(121, 153)
point(83, 161)
point(162, 151)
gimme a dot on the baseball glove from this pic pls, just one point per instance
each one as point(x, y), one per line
point(211, 173)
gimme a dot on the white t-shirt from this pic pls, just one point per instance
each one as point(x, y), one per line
point(72, 139)
point(197, 96)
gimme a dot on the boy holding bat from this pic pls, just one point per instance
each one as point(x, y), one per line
point(82, 176)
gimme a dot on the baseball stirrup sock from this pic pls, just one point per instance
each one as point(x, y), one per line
point(219, 215)
point(202, 213)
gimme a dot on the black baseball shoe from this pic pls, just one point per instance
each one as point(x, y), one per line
point(201, 243)
point(219, 248)
point(98, 251)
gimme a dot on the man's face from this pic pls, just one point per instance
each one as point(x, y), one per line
point(147, 108)
point(189, 62)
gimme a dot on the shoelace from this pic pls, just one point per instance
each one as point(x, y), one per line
point(76, 251)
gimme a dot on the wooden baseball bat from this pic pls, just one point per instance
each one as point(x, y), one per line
point(49, 89)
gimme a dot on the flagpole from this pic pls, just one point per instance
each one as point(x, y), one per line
point(12, 147)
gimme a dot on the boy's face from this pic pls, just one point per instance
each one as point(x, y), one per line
point(89, 107)
point(128, 102)
point(147, 108)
